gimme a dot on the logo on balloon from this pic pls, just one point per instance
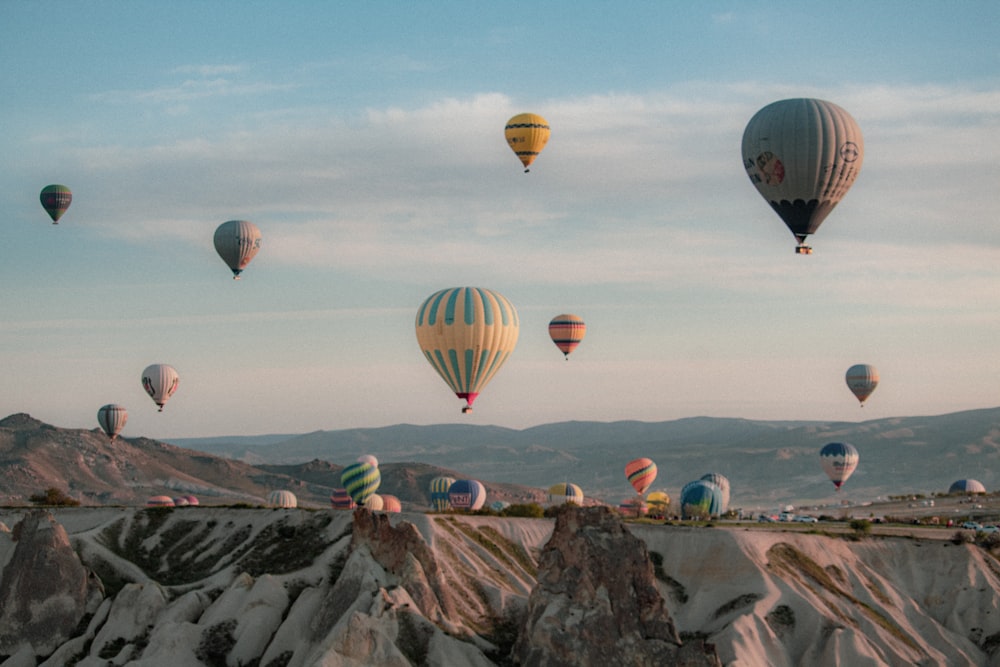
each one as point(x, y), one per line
point(850, 152)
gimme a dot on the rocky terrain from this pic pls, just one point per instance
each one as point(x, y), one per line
point(249, 587)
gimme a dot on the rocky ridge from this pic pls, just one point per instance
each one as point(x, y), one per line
point(190, 587)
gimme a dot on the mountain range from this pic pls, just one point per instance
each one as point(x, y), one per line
point(768, 463)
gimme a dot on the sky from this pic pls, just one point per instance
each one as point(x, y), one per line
point(366, 142)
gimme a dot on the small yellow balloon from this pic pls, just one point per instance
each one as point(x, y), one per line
point(527, 134)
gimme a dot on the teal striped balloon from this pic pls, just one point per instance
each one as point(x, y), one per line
point(360, 480)
point(466, 334)
point(439, 493)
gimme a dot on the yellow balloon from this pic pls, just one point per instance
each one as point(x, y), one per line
point(467, 334)
point(527, 134)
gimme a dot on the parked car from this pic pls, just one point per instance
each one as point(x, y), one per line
point(972, 525)
point(806, 519)
point(989, 529)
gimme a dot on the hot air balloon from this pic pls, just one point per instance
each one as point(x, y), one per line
point(361, 480)
point(839, 460)
point(862, 380)
point(658, 502)
point(160, 501)
point(527, 134)
point(566, 332)
point(237, 241)
point(802, 155)
point(55, 200)
point(967, 486)
point(160, 382)
point(191, 500)
point(633, 507)
point(369, 459)
point(391, 504)
point(439, 492)
point(112, 418)
point(701, 499)
point(180, 501)
point(723, 484)
point(564, 492)
point(375, 503)
point(466, 334)
point(467, 494)
point(285, 499)
point(340, 499)
point(640, 474)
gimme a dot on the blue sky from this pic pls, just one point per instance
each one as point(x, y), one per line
point(366, 141)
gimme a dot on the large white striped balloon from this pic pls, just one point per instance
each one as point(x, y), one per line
point(802, 155)
point(839, 461)
point(467, 334)
point(237, 241)
point(160, 382)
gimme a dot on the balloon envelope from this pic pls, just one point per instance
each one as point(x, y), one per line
point(967, 486)
point(862, 380)
point(160, 501)
point(723, 484)
point(839, 459)
point(802, 155)
point(361, 480)
point(467, 334)
point(284, 499)
point(467, 494)
point(701, 499)
point(527, 134)
point(112, 418)
point(369, 459)
point(391, 504)
point(160, 382)
point(55, 200)
point(340, 499)
point(237, 241)
point(439, 492)
point(567, 331)
point(640, 474)
point(564, 492)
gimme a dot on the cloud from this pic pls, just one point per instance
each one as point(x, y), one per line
point(637, 188)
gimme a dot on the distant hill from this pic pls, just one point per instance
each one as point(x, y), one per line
point(769, 463)
point(85, 465)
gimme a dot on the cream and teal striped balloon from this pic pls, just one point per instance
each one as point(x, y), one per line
point(360, 480)
point(467, 334)
point(439, 492)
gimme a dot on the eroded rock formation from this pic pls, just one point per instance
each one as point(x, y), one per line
point(596, 602)
point(45, 591)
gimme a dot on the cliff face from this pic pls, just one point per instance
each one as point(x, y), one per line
point(596, 601)
point(292, 588)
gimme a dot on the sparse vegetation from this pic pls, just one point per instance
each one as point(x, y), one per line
point(744, 600)
point(781, 618)
point(677, 590)
point(527, 511)
point(53, 497)
point(216, 643)
point(861, 527)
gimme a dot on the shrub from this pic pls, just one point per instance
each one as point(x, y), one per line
point(861, 527)
point(54, 497)
point(529, 510)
